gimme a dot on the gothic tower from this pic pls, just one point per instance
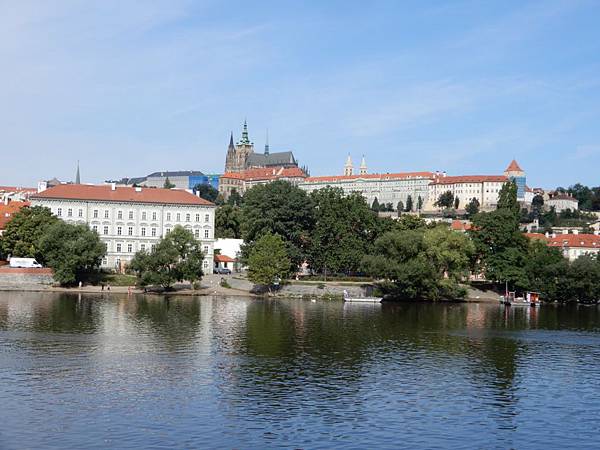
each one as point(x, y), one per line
point(237, 155)
point(230, 158)
point(363, 166)
point(348, 167)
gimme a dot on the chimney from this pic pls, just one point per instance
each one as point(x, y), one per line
point(113, 186)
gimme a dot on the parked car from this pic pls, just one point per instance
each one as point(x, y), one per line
point(222, 271)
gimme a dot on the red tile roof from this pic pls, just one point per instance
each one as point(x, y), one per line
point(461, 225)
point(371, 176)
point(575, 240)
point(223, 258)
point(513, 167)
point(7, 211)
point(17, 189)
point(471, 179)
point(266, 173)
point(564, 197)
point(120, 194)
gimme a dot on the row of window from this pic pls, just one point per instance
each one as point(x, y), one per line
point(143, 231)
point(188, 216)
point(119, 247)
point(118, 263)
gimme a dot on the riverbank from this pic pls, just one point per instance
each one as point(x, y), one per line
point(237, 285)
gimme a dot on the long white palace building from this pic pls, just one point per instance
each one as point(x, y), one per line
point(428, 186)
point(129, 219)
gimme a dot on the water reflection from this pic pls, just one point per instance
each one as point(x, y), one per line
point(147, 371)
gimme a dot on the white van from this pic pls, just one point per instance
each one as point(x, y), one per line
point(24, 262)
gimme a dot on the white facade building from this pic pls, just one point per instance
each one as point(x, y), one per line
point(485, 188)
point(562, 202)
point(130, 219)
point(386, 187)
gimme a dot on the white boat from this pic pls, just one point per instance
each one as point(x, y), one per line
point(532, 299)
point(347, 298)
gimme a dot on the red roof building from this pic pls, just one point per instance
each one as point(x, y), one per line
point(112, 193)
point(7, 211)
point(244, 180)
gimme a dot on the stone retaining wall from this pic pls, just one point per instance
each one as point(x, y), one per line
point(313, 290)
point(25, 277)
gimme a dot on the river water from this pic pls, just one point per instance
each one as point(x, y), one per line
point(211, 372)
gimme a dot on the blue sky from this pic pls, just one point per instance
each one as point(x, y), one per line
point(131, 87)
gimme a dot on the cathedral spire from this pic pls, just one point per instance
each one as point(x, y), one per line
point(231, 140)
point(77, 176)
point(267, 144)
point(245, 139)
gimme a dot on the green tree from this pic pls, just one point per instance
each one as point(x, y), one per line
point(268, 260)
point(409, 203)
point(445, 200)
point(234, 199)
point(507, 198)
point(500, 246)
point(400, 208)
point(177, 256)
point(421, 263)
point(456, 202)
point(228, 222)
point(70, 250)
point(472, 207)
point(343, 232)
point(419, 203)
point(375, 205)
point(278, 208)
point(168, 184)
point(537, 206)
point(24, 231)
point(207, 192)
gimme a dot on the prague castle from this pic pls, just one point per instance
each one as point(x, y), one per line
point(241, 156)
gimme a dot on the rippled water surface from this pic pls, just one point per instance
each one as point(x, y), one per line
point(146, 372)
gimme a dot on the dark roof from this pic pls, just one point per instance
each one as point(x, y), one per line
point(176, 173)
point(120, 194)
point(273, 159)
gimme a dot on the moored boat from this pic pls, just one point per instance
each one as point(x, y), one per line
point(347, 298)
